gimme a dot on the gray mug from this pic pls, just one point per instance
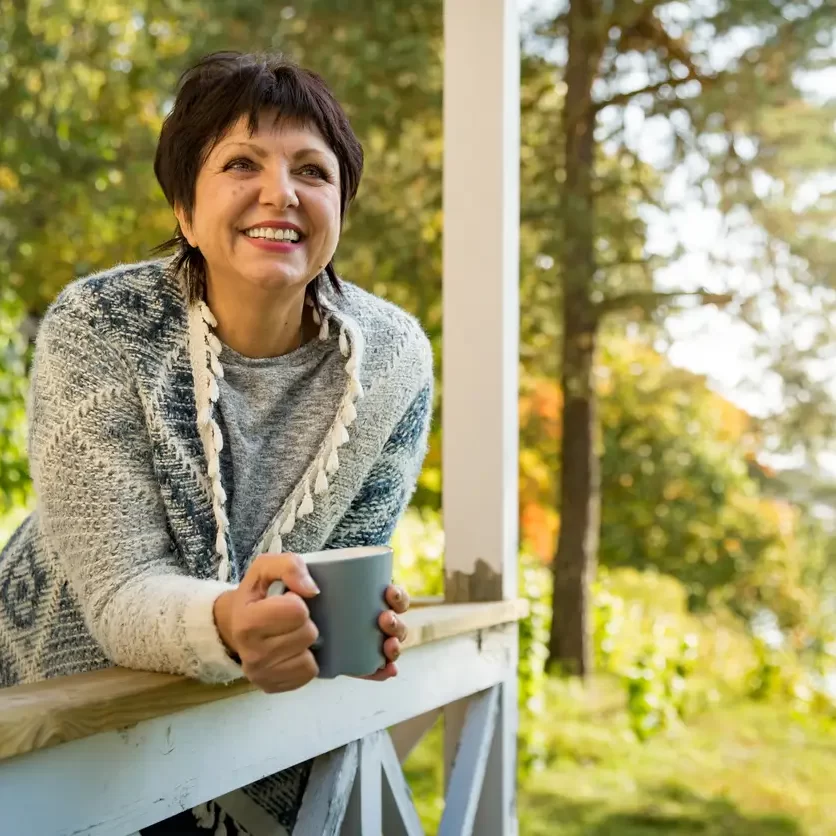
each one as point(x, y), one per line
point(352, 584)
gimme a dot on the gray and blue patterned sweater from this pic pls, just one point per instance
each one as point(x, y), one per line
point(128, 547)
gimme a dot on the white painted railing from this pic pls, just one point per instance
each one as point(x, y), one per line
point(114, 751)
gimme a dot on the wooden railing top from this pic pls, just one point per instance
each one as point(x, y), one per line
point(56, 711)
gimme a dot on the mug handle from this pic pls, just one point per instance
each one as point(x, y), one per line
point(279, 588)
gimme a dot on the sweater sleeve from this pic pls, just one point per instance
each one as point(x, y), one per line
point(373, 514)
point(101, 510)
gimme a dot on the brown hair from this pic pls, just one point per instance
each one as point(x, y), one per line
point(211, 97)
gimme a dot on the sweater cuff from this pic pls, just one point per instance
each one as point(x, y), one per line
point(214, 664)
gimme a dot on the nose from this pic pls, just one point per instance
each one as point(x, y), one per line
point(278, 189)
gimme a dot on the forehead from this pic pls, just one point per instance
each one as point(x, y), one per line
point(275, 133)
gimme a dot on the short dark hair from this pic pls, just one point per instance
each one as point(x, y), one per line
point(211, 97)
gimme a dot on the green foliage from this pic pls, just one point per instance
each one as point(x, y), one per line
point(738, 769)
point(418, 544)
point(646, 642)
point(14, 471)
point(656, 685)
point(535, 586)
point(780, 675)
point(682, 492)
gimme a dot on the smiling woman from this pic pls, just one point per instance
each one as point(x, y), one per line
point(196, 422)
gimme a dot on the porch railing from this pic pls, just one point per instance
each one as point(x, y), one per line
point(114, 751)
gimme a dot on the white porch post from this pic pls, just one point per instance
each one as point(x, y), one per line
point(481, 298)
point(481, 346)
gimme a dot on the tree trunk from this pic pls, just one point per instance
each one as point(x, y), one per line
point(574, 563)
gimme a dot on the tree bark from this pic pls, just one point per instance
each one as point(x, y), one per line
point(575, 560)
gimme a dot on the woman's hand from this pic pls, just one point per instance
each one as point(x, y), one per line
point(394, 629)
point(271, 636)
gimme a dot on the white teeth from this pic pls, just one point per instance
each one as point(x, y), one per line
point(273, 234)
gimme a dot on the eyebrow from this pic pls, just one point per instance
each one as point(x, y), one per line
point(262, 153)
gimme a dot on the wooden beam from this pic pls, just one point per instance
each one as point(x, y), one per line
point(497, 811)
point(400, 818)
point(364, 816)
point(59, 710)
point(326, 797)
point(465, 788)
point(120, 781)
point(454, 716)
point(481, 298)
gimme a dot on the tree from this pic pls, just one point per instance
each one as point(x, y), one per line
point(670, 48)
point(682, 491)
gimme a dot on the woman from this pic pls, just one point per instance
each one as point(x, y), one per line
point(196, 421)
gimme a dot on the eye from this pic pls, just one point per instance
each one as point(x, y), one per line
point(311, 170)
point(240, 164)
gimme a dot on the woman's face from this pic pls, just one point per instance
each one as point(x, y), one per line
point(267, 207)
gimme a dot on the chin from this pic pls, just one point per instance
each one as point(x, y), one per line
point(274, 280)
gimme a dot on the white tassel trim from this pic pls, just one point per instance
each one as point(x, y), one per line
point(343, 342)
point(217, 436)
point(351, 365)
point(203, 346)
point(333, 462)
point(349, 413)
point(275, 546)
point(207, 315)
point(340, 435)
point(215, 365)
point(290, 521)
point(323, 330)
point(307, 504)
point(315, 316)
point(356, 388)
point(321, 483)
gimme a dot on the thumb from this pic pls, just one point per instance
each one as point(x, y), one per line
point(289, 570)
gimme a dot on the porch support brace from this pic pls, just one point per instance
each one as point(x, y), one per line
point(327, 795)
point(468, 775)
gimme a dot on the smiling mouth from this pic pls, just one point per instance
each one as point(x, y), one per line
point(269, 233)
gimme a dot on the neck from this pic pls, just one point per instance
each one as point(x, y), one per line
point(260, 325)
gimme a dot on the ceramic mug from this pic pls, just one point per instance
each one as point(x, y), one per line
point(352, 584)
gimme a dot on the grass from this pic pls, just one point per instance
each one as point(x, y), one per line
point(737, 769)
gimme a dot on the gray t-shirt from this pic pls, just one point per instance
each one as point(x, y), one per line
point(266, 407)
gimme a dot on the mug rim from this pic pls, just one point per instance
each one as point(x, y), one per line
point(343, 555)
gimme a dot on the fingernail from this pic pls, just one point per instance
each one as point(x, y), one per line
point(309, 584)
point(393, 620)
point(397, 595)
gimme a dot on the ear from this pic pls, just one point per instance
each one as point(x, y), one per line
point(185, 226)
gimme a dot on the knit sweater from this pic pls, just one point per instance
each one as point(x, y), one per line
point(265, 407)
point(129, 545)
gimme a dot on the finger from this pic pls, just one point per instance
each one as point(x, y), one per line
point(391, 625)
point(287, 675)
point(397, 598)
point(277, 649)
point(392, 649)
point(386, 672)
point(275, 616)
point(290, 569)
